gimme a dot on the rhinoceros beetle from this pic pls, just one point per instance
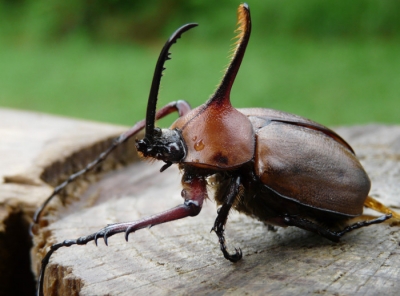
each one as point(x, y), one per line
point(274, 166)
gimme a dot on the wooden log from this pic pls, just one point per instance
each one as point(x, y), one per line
point(37, 151)
point(183, 257)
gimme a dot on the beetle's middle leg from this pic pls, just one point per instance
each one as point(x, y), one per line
point(326, 232)
point(220, 221)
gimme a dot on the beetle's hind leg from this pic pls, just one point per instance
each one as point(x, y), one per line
point(326, 232)
point(220, 221)
point(375, 205)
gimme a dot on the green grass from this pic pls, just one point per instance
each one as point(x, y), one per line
point(335, 82)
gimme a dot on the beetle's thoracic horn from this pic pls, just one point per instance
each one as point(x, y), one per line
point(244, 29)
point(155, 85)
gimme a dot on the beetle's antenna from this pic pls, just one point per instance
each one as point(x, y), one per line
point(155, 85)
point(244, 28)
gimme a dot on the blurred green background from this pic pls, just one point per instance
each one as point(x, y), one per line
point(336, 62)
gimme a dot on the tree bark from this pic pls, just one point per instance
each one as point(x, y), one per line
point(183, 257)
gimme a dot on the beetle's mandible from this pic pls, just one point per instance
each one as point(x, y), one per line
point(280, 168)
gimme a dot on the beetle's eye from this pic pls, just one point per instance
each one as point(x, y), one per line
point(173, 147)
point(173, 151)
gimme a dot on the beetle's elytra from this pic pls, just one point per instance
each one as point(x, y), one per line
point(277, 167)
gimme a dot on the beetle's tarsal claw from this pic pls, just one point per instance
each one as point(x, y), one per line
point(95, 239)
point(98, 235)
point(386, 217)
point(233, 258)
point(127, 232)
point(105, 238)
point(238, 255)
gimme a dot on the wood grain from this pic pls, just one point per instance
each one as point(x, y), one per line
point(37, 151)
point(183, 257)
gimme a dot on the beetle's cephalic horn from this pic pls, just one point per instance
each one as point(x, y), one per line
point(155, 85)
point(222, 94)
point(226, 134)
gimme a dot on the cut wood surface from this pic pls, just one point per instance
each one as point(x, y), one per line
point(33, 142)
point(37, 151)
point(183, 257)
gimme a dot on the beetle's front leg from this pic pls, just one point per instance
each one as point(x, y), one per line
point(220, 221)
point(194, 192)
point(181, 107)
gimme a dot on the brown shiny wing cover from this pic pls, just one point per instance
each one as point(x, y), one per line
point(307, 165)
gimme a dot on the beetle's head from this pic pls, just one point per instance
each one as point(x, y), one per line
point(166, 145)
point(162, 144)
